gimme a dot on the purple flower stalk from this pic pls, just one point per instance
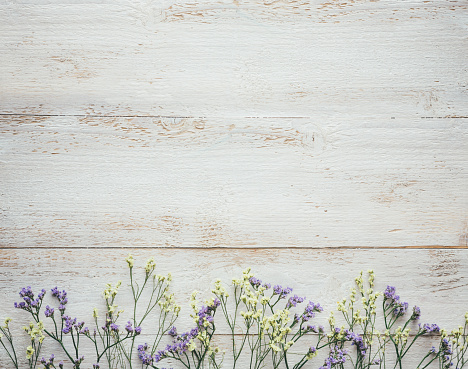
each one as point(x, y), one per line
point(61, 297)
point(282, 292)
point(293, 301)
point(29, 302)
point(416, 313)
point(49, 312)
point(392, 300)
point(310, 310)
point(335, 357)
point(255, 282)
point(357, 340)
point(47, 363)
point(173, 331)
point(429, 328)
point(129, 327)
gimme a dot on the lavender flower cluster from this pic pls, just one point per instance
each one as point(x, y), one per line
point(181, 342)
point(336, 357)
point(282, 292)
point(255, 282)
point(393, 300)
point(30, 304)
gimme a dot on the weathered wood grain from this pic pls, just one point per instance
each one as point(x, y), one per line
point(93, 181)
point(216, 135)
point(234, 58)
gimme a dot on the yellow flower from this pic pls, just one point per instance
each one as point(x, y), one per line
point(150, 265)
point(29, 352)
point(95, 313)
point(191, 346)
point(312, 353)
point(130, 261)
point(219, 290)
point(7, 321)
point(275, 348)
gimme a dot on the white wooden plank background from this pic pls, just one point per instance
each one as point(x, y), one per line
point(215, 135)
point(79, 181)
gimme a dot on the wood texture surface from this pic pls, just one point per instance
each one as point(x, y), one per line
point(276, 182)
point(235, 58)
point(306, 139)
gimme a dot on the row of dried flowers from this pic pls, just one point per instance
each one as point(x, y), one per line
point(265, 323)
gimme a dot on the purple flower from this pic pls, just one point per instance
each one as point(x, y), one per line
point(446, 352)
point(335, 357)
point(71, 323)
point(173, 331)
point(61, 297)
point(49, 312)
point(429, 328)
point(393, 301)
point(49, 363)
point(29, 303)
point(389, 293)
point(129, 327)
point(293, 301)
point(310, 310)
point(144, 356)
point(357, 340)
point(282, 292)
point(137, 330)
point(310, 328)
point(255, 282)
point(78, 362)
point(114, 327)
point(416, 313)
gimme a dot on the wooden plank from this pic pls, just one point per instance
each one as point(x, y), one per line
point(434, 280)
point(89, 181)
point(231, 59)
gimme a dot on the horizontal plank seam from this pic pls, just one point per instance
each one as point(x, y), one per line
point(427, 247)
point(185, 117)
